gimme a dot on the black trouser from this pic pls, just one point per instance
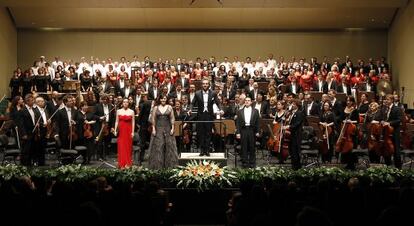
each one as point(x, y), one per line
point(90, 148)
point(144, 140)
point(204, 131)
point(103, 147)
point(248, 151)
point(397, 154)
point(294, 152)
point(39, 151)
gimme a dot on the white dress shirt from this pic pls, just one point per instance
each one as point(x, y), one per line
point(69, 112)
point(127, 89)
point(258, 106)
point(106, 112)
point(32, 114)
point(121, 83)
point(205, 101)
point(247, 115)
point(43, 115)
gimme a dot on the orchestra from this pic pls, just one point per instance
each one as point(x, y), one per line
point(354, 104)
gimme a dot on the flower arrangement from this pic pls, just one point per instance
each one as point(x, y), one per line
point(203, 175)
point(206, 175)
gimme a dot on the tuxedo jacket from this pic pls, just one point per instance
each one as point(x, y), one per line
point(334, 85)
point(99, 111)
point(340, 89)
point(131, 92)
point(144, 113)
point(62, 122)
point(25, 122)
point(264, 109)
point(295, 125)
point(289, 88)
point(314, 111)
point(394, 118)
point(254, 120)
point(184, 85)
point(199, 102)
point(231, 94)
point(324, 86)
point(151, 95)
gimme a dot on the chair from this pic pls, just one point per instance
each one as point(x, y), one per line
point(65, 156)
point(408, 153)
point(309, 152)
point(10, 146)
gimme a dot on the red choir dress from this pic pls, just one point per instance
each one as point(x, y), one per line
point(124, 141)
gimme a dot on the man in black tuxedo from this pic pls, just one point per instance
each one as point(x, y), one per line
point(229, 91)
point(154, 91)
point(28, 117)
point(392, 117)
point(128, 90)
point(311, 107)
point(106, 114)
point(247, 123)
point(53, 104)
point(65, 118)
point(204, 100)
point(343, 88)
point(185, 83)
point(143, 124)
point(294, 87)
point(337, 106)
point(320, 85)
point(296, 120)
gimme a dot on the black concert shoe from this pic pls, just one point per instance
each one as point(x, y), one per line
point(202, 154)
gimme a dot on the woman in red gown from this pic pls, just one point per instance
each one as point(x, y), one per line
point(124, 127)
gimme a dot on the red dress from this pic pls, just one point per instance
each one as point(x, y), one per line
point(124, 141)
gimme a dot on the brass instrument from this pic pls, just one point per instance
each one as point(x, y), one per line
point(384, 87)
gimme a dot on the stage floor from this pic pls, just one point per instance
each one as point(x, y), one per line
point(232, 160)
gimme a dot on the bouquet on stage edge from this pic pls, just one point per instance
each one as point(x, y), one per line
point(203, 175)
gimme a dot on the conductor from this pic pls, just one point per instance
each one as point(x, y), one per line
point(204, 100)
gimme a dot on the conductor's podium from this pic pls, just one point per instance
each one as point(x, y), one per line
point(217, 157)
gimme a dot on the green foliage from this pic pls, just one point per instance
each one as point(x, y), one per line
point(207, 175)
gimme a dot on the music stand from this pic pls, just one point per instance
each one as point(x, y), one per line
point(317, 96)
point(341, 97)
point(70, 85)
point(313, 121)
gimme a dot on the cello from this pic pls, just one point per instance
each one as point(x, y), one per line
point(273, 143)
point(345, 143)
point(285, 136)
point(326, 133)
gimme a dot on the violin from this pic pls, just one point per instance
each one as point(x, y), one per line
point(345, 142)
